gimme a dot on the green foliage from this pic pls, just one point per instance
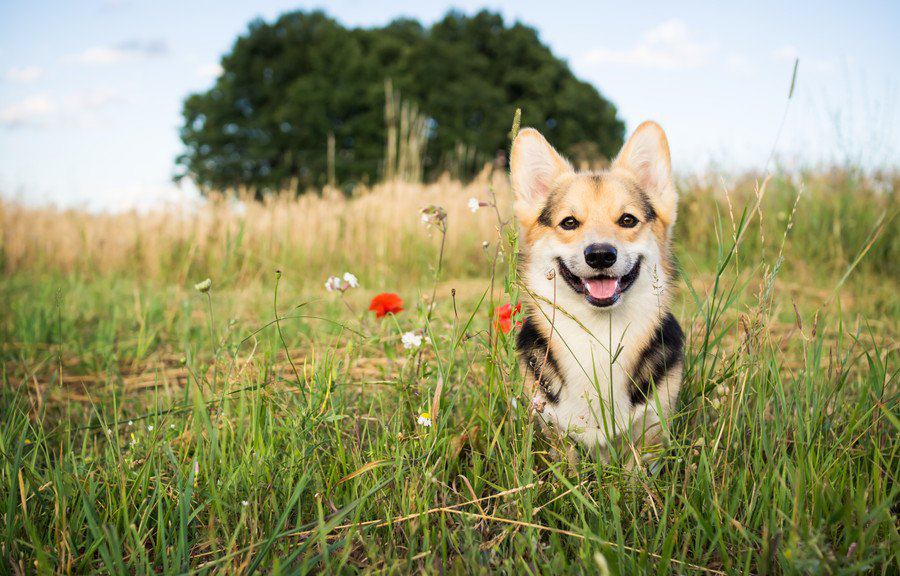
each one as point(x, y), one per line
point(285, 86)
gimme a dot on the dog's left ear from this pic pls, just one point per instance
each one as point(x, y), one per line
point(534, 168)
point(646, 157)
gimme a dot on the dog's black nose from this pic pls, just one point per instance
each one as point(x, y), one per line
point(600, 256)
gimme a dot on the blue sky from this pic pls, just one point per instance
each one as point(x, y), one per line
point(90, 91)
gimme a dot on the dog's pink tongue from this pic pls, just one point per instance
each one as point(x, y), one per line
point(603, 288)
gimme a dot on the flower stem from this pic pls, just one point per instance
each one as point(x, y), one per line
point(284, 345)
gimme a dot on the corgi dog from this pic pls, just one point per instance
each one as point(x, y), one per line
point(601, 352)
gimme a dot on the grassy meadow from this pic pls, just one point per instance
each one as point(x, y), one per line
point(268, 425)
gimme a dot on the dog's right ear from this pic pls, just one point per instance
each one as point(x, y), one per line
point(534, 166)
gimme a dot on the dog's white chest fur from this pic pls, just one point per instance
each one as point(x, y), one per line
point(595, 351)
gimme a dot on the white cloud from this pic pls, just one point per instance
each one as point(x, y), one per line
point(209, 71)
point(666, 46)
point(737, 63)
point(127, 51)
point(34, 110)
point(78, 108)
point(98, 55)
point(94, 99)
point(789, 53)
point(23, 74)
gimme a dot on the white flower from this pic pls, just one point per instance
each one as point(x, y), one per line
point(424, 419)
point(130, 422)
point(150, 428)
point(411, 340)
point(351, 280)
point(171, 426)
point(474, 204)
point(426, 219)
point(245, 503)
point(333, 283)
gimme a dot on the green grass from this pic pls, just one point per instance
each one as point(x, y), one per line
point(149, 428)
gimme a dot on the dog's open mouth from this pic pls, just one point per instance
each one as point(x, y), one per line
point(600, 291)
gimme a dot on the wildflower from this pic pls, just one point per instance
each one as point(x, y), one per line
point(474, 205)
point(336, 284)
point(130, 423)
point(433, 215)
point(505, 315)
point(203, 287)
point(424, 419)
point(150, 428)
point(245, 503)
point(386, 303)
point(411, 340)
point(171, 426)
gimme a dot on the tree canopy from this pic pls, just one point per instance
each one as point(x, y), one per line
point(287, 86)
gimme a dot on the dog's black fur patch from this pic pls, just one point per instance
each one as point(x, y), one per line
point(544, 219)
point(646, 204)
point(539, 359)
point(664, 351)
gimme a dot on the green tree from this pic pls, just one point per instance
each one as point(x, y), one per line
point(285, 86)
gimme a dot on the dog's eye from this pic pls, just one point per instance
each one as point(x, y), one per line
point(627, 221)
point(569, 223)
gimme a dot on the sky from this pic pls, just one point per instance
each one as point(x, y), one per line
point(91, 90)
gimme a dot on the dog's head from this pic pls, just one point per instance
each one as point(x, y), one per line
point(599, 231)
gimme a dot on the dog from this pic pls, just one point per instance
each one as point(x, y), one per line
point(601, 351)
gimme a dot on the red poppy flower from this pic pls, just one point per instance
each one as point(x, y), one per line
point(505, 314)
point(386, 303)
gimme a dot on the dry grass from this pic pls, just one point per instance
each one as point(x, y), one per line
point(316, 234)
point(378, 232)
